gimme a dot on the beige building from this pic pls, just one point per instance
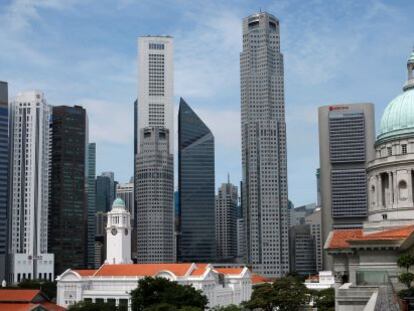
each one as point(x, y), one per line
point(346, 145)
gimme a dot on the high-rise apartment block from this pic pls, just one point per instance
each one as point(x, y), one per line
point(264, 159)
point(346, 145)
point(68, 210)
point(154, 144)
point(29, 196)
point(226, 222)
point(4, 174)
point(196, 183)
point(91, 201)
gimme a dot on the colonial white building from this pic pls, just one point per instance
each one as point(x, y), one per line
point(29, 181)
point(114, 280)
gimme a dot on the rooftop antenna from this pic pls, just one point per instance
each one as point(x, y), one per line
point(228, 178)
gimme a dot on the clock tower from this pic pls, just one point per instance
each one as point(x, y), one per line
point(118, 234)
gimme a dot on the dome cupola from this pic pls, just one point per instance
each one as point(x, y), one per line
point(398, 118)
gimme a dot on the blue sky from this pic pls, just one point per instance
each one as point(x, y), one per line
point(84, 52)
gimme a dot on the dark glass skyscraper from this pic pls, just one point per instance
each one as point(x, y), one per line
point(91, 196)
point(103, 193)
point(196, 239)
point(4, 169)
point(68, 201)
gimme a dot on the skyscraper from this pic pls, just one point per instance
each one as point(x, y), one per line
point(4, 174)
point(91, 201)
point(226, 222)
point(196, 239)
point(346, 145)
point(302, 248)
point(155, 176)
point(264, 160)
point(29, 195)
point(112, 187)
point(103, 193)
point(154, 144)
point(125, 191)
point(68, 209)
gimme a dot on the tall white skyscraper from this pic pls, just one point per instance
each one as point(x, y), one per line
point(154, 162)
point(29, 199)
point(155, 85)
point(265, 200)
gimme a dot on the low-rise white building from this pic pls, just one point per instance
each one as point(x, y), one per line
point(324, 280)
point(114, 280)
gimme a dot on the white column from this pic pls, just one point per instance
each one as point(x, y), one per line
point(410, 187)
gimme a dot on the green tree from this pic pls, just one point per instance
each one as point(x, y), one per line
point(406, 278)
point(227, 308)
point(325, 299)
point(47, 287)
point(89, 306)
point(262, 298)
point(290, 294)
point(405, 261)
point(161, 307)
point(157, 291)
point(285, 294)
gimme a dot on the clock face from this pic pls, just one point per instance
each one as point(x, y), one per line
point(114, 231)
point(126, 231)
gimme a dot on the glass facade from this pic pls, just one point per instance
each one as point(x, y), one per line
point(4, 164)
point(91, 193)
point(103, 194)
point(68, 204)
point(196, 238)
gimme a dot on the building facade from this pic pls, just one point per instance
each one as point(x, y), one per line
point(4, 174)
point(91, 201)
point(103, 193)
point(29, 194)
point(226, 222)
point(314, 221)
point(346, 140)
point(125, 192)
point(302, 248)
point(264, 159)
point(154, 154)
point(367, 257)
point(196, 183)
point(68, 206)
point(154, 186)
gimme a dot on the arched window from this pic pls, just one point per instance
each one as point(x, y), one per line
point(402, 190)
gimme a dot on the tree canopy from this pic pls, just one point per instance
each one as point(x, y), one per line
point(285, 294)
point(156, 294)
point(47, 287)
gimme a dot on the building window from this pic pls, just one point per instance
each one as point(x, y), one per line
point(404, 149)
point(384, 216)
point(389, 151)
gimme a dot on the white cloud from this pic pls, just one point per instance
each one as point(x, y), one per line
point(109, 122)
point(207, 54)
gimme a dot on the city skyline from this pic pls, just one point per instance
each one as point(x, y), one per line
point(323, 60)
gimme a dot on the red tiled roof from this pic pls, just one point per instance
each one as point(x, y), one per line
point(85, 272)
point(343, 238)
point(50, 306)
point(18, 295)
point(258, 279)
point(200, 269)
point(17, 306)
point(179, 269)
point(393, 234)
point(339, 238)
point(234, 271)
